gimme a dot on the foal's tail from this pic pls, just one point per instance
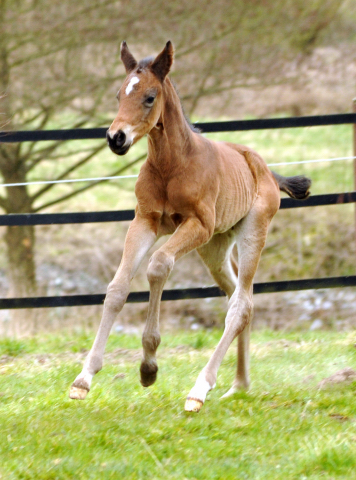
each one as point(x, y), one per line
point(296, 187)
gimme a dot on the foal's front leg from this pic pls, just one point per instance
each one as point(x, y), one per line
point(190, 235)
point(139, 239)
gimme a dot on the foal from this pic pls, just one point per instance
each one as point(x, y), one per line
point(209, 196)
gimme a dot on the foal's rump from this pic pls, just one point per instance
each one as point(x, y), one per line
point(296, 187)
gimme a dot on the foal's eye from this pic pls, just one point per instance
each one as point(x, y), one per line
point(149, 101)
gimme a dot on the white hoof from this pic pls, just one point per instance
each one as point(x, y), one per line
point(198, 393)
point(193, 405)
point(77, 393)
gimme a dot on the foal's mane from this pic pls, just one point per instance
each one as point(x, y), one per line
point(146, 62)
point(142, 64)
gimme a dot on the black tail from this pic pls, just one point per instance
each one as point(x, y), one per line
point(296, 187)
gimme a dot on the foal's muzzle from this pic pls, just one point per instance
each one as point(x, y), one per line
point(118, 143)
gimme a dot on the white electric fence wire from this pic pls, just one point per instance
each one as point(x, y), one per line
point(312, 161)
point(121, 177)
point(75, 180)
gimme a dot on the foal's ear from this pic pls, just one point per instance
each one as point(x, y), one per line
point(163, 62)
point(127, 58)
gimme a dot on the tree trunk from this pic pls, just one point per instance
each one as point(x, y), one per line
point(21, 264)
point(21, 272)
point(19, 240)
point(22, 276)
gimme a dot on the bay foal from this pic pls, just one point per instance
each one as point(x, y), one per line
point(210, 196)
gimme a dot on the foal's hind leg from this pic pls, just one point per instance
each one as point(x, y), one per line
point(242, 378)
point(251, 235)
point(218, 257)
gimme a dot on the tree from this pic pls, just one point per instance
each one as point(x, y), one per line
point(59, 66)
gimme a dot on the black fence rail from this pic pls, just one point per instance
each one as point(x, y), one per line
point(176, 294)
point(125, 215)
point(205, 127)
point(19, 219)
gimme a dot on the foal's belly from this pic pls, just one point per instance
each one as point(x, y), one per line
point(233, 204)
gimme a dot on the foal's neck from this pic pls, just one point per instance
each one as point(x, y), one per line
point(172, 138)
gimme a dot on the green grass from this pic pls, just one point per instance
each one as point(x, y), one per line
point(283, 428)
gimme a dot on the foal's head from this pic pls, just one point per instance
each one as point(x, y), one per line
point(140, 98)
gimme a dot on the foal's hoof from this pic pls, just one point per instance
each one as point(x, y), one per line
point(77, 393)
point(148, 374)
point(193, 405)
point(231, 392)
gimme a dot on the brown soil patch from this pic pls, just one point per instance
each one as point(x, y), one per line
point(346, 375)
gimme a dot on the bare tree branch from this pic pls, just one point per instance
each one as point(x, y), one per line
point(69, 170)
point(90, 185)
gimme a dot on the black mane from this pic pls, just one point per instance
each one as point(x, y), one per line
point(146, 62)
point(191, 126)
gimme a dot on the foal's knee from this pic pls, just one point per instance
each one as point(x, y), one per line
point(239, 313)
point(116, 296)
point(159, 267)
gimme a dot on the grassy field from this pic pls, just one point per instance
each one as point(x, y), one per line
point(285, 427)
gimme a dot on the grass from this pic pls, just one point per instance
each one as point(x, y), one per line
point(283, 428)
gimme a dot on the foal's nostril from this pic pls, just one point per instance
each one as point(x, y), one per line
point(120, 138)
point(118, 142)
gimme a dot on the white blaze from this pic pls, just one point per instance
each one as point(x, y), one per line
point(130, 86)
